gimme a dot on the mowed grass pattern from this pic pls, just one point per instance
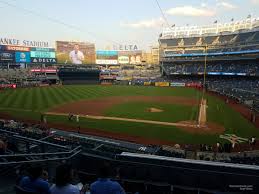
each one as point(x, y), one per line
point(30, 102)
point(41, 99)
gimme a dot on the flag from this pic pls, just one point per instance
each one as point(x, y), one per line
point(249, 16)
point(173, 26)
point(232, 19)
point(216, 21)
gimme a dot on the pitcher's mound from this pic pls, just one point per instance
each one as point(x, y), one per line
point(154, 110)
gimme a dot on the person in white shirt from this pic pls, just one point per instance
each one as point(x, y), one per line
point(76, 56)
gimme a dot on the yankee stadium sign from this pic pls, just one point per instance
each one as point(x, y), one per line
point(26, 43)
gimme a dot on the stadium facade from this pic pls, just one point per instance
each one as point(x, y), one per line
point(227, 53)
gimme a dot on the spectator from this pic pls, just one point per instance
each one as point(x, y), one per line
point(2, 146)
point(64, 175)
point(253, 141)
point(34, 183)
point(104, 185)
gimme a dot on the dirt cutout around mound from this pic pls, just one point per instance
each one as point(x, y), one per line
point(154, 110)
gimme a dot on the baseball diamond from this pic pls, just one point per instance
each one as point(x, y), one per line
point(120, 105)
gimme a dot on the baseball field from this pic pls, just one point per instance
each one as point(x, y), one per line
point(142, 114)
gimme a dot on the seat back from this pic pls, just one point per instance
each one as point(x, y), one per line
point(19, 190)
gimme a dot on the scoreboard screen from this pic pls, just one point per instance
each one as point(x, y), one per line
point(43, 54)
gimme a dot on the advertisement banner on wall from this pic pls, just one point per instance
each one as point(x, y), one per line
point(7, 56)
point(162, 84)
point(43, 54)
point(43, 49)
point(75, 52)
point(43, 60)
point(107, 57)
point(22, 57)
point(194, 85)
point(17, 48)
point(147, 83)
point(123, 60)
point(177, 84)
point(135, 57)
point(106, 62)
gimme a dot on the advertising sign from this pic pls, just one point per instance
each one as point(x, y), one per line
point(43, 54)
point(22, 57)
point(7, 56)
point(162, 84)
point(106, 62)
point(135, 57)
point(43, 60)
point(75, 52)
point(147, 83)
point(194, 85)
point(44, 70)
point(123, 60)
point(17, 48)
point(8, 86)
point(107, 57)
point(43, 49)
point(177, 84)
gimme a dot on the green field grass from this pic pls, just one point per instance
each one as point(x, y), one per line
point(29, 103)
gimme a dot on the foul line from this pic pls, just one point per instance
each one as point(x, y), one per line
point(129, 120)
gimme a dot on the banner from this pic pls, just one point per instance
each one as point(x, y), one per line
point(22, 57)
point(123, 60)
point(75, 52)
point(43, 49)
point(162, 84)
point(194, 85)
point(8, 86)
point(6, 56)
point(17, 48)
point(108, 77)
point(44, 70)
point(106, 62)
point(135, 57)
point(177, 84)
point(43, 54)
point(107, 57)
point(147, 83)
point(43, 60)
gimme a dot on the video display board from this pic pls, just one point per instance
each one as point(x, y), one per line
point(107, 57)
point(70, 52)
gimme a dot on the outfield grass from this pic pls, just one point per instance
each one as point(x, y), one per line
point(30, 102)
point(138, 110)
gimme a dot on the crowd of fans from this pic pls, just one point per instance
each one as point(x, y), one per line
point(35, 180)
point(244, 39)
point(220, 68)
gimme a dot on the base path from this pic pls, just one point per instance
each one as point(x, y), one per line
point(188, 126)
